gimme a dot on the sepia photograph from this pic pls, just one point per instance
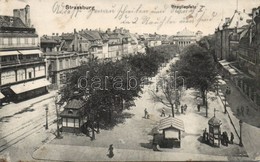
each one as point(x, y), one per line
point(119, 80)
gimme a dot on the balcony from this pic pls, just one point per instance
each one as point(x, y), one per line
point(18, 45)
point(21, 62)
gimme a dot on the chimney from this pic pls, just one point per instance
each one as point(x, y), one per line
point(75, 31)
point(27, 16)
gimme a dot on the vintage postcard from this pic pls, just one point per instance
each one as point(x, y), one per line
point(118, 80)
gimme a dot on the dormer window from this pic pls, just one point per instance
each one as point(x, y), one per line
point(70, 112)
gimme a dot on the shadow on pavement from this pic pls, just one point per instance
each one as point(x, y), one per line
point(118, 118)
point(147, 145)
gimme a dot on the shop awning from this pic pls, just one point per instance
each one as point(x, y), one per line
point(171, 122)
point(29, 52)
point(1, 96)
point(28, 86)
point(6, 53)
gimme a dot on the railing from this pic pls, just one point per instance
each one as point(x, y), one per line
point(15, 62)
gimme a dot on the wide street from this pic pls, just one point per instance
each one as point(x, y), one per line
point(24, 137)
point(23, 126)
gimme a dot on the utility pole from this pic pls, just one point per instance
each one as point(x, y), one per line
point(46, 124)
point(57, 114)
point(176, 92)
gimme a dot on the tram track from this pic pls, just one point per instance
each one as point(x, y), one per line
point(21, 135)
point(27, 124)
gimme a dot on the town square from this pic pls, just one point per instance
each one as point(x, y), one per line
point(129, 81)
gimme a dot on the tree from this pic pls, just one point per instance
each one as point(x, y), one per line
point(167, 93)
point(103, 83)
point(196, 64)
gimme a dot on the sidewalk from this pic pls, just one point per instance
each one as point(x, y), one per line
point(85, 153)
point(132, 138)
point(9, 109)
point(250, 127)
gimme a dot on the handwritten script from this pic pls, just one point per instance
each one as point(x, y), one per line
point(158, 15)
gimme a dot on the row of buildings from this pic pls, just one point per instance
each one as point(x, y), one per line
point(22, 69)
point(238, 51)
point(28, 64)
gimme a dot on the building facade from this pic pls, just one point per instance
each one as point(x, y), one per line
point(237, 49)
point(22, 67)
point(185, 37)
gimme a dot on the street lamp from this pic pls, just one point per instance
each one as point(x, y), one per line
point(225, 105)
point(46, 125)
point(240, 138)
point(183, 80)
point(57, 113)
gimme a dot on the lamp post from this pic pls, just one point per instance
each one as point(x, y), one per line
point(46, 125)
point(57, 113)
point(182, 81)
point(240, 138)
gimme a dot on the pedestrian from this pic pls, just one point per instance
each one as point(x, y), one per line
point(242, 110)
point(247, 110)
point(145, 113)
point(204, 135)
point(198, 107)
point(227, 140)
point(163, 112)
point(229, 90)
point(110, 151)
point(185, 107)
point(238, 111)
point(182, 108)
point(231, 138)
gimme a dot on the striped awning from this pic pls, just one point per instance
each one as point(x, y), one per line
point(7, 53)
point(31, 85)
point(1, 96)
point(29, 52)
point(171, 122)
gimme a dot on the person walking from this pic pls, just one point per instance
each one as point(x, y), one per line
point(110, 151)
point(182, 109)
point(242, 110)
point(198, 107)
point(238, 111)
point(231, 138)
point(163, 112)
point(185, 107)
point(145, 113)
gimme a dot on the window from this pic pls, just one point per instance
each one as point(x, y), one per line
point(60, 64)
point(26, 40)
point(10, 41)
point(29, 75)
point(30, 40)
point(18, 41)
point(14, 41)
point(70, 112)
point(20, 74)
point(22, 40)
point(33, 41)
point(5, 41)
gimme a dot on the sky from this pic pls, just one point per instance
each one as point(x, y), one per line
point(139, 16)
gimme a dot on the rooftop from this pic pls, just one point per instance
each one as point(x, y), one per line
point(75, 104)
point(11, 21)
